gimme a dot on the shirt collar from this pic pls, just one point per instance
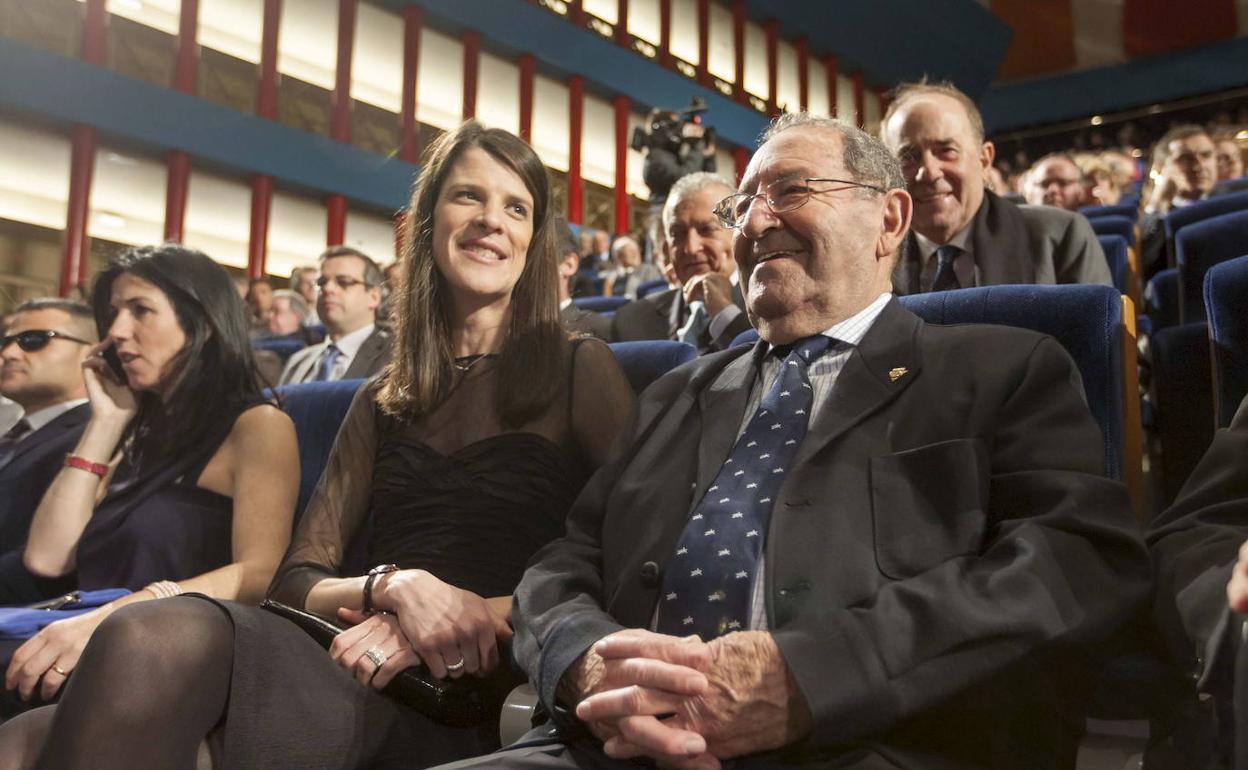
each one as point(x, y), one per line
point(349, 344)
point(46, 415)
point(851, 330)
point(961, 239)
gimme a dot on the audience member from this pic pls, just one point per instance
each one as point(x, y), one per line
point(287, 316)
point(705, 310)
point(630, 271)
point(259, 297)
point(928, 574)
point(1056, 180)
point(42, 350)
point(1184, 171)
point(575, 319)
point(1230, 158)
point(1200, 555)
point(964, 235)
point(599, 259)
point(465, 455)
point(349, 293)
point(303, 283)
point(184, 478)
point(1103, 189)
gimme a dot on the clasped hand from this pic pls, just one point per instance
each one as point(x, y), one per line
point(687, 703)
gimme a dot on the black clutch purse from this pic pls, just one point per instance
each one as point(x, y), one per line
point(454, 702)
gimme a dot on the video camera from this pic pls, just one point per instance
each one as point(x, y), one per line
point(667, 129)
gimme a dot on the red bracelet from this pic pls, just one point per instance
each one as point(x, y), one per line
point(82, 463)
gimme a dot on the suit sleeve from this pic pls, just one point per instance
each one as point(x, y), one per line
point(1194, 545)
point(1060, 561)
point(1078, 257)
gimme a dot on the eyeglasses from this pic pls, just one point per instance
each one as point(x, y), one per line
point(33, 340)
point(344, 282)
point(781, 195)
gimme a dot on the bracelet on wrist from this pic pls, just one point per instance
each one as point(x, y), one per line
point(163, 589)
point(83, 464)
point(373, 573)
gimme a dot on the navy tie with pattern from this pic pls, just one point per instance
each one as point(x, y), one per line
point(708, 583)
point(946, 278)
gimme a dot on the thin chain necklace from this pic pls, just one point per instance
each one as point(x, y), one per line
point(464, 363)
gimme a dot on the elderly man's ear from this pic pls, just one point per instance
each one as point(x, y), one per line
point(896, 222)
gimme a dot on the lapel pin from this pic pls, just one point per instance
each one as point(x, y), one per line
point(897, 374)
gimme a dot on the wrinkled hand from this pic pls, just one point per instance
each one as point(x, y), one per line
point(1237, 588)
point(659, 672)
point(380, 631)
point(59, 644)
point(715, 289)
point(751, 704)
point(444, 624)
point(110, 399)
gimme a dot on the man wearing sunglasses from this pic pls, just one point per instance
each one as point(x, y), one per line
point(41, 357)
point(348, 293)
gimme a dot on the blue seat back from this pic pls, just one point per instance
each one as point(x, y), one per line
point(1161, 299)
point(1182, 393)
point(1226, 298)
point(1086, 320)
point(1114, 225)
point(600, 304)
point(650, 287)
point(317, 409)
point(1120, 210)
point(645, 361)
point(1200, 246)
point(1115, 248)
point(284, 348)
point(1222, 204)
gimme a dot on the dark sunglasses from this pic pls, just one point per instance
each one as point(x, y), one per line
point(32, 340)
point(344, 282)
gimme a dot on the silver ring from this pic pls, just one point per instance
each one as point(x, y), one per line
point(376, 655)
point(453, 667)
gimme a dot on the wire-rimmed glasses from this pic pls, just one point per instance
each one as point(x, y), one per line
point(781, 196)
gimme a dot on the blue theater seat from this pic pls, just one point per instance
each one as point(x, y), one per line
point(1120, 210)
point(1114, 225)
point(317, 409)
point(1226, 298)
point(645, 361)
point(284, 348)
point(1223, 204)
point(1200, 246)
point(650, 287)
point(600, 304)
point(1161, 300)
point(1116, 248)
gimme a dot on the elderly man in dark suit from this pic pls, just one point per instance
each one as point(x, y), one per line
point(865, 542)
point(349, 291)
point(707, 310)
point(964, 235)
point(42, 352)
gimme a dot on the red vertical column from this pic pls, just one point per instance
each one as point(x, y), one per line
point(803, 74)
point(528, 72)
point(740, 159)
point(773, 66)
point(576, 192)
point(178, 163)
point(75, 262)
point(860, 113)
point(738, 50)
point(576, 12)
point(621, 105)
point(409, 129)
point(704, 41)
point(472, 68)
point(665, 32)
point(340, 120)
point(832, 70)
point(266, 107)
point(622, 38)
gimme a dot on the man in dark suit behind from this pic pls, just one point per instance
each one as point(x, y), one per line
point(349, 291)
point(574, 319)
point(907, 571)
point(43, 350)
point(707, 310)
point(938, 135)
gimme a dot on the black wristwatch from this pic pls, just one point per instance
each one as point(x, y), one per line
point(380, 569)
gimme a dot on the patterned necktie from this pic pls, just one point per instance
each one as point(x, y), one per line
point(945, 277)
point(707, 585)
point(328, 359)
point(8, 443)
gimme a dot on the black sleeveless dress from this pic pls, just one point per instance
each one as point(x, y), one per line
point(454, 494)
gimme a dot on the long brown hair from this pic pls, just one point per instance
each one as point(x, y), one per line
point(531, 365)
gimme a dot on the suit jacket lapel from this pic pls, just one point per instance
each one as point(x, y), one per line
point(65, 422)
point(722, 406)
point(885, 362)
point(364, 357)
point(674, 312)
point(1000, 242)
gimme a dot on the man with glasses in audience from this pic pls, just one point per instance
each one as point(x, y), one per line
point(349, 291)
point(863, 542)
point(964, 235)
point(42, 352)
point(707, 309)
point(1056, 180)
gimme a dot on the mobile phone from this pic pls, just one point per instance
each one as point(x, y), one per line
point(114, 364)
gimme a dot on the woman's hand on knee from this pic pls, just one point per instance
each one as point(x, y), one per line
point(452, 630)
point(374, 649)
point(46, 659)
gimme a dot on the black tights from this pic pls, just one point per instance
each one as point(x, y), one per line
point(151, 684)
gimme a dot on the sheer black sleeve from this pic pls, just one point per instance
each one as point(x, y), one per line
point(337, 508)
point(602, 401)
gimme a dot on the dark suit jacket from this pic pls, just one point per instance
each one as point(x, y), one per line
point(23, 480)
point(659, 316)
point(369, 360)
point(940, 537)
point(1020, 244)
point(576, 319)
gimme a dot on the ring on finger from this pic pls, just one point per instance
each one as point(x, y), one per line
point(377, 656)
point(456, 666)
point(59, 670)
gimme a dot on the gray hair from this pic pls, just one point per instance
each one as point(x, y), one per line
point(866, 157)
point(620, 243)
point(691, 184)
point(298, 305)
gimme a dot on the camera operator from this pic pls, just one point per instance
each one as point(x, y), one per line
point(676, 145)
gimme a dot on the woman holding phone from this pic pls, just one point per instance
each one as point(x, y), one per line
point(185, 478)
